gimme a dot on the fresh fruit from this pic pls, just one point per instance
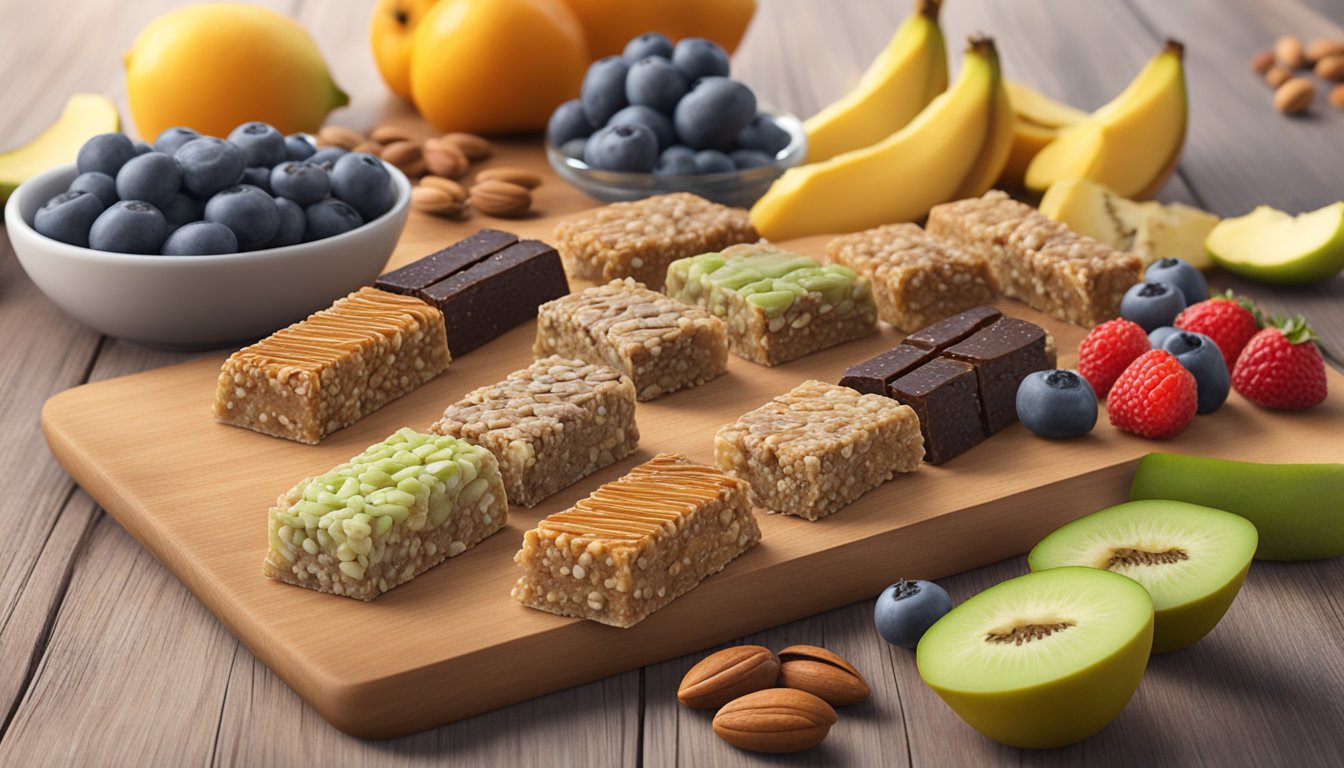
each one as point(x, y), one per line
point(905, 611)
point(292, 223)
point(908, 73)
point(104, 153)
point(1191, 559)
point(326, 157)
point(188, 68)
point(1057, 404)
point(392, 36)
point(568, 122)
point(329, 217)
point(1158, 336)
point(728, 674)
point(608, 24)
point(603, 91)
point(103, 187)
point(262, 145)
point(68, 216)
point(1107, 351)
point(822, 673)
point(200, 238)
point(1038, 109)
point(699, 57)
point(1042, 660)
point(713, 161)
point(363, 182)
point(1274, 247)
point(713, 113)
point(775, 720)
point(650, 118)
point(627, 148)
point(209, 165)
point(1202, 358)
point(170, 139)
point(939, 148)
point(181, 210)
point(1181, 274)
point(993, 155)
point(1297, 508)
point(259, 178)
point(675, 161)
point(1281, 368)
point(469, 71)
point(153, 177)
point(1152, 304)
point(85, 115)
point(248, 211)
point(1156, 397)
point(744, 159)
point(301, 183)
point(298, 148)
point(129, 226)
point(1229, 320)
point(646, 45)
point(655, 82)
point(763, 135)
point(1131, 144)
point(1151, 230)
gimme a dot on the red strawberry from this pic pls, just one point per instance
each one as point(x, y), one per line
point(1229, 320)
point(1281, 367)
point(1155, 397)
point(1108, 350)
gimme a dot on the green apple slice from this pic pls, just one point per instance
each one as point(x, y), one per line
point(1274, 247)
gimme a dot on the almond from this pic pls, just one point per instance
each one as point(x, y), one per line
point(368, 147)
point(1337, 96)
point(1321, 47)
point(1331, 67)
point(822, 673)
point(387, 134)
point(1288, 50)
point(443, 158)
point(1262, 61)
point(1277, 76)
point(435, 201)
point(1294, 96)
point(406, 156)
point(731, 673)
point(512, 175)
point(454, 190)
point(775, 720)
point(339, 136)
point(500, 198)
point(473, 146)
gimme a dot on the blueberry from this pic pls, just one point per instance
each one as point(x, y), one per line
point(327, 157)
point(302, 183)
point(654, 82)
point(141, 148)
point(574, 148)
point(1152, 304)
point(697, 57)
point(714, 113)
point(329, 217)
point(68, 216)
point(262, 145)
point(1057, 404)
point(631, 148)
point(209, 165)
point(647, 44)
point(153, 178)
point(171, 139)
point(763, 134)
point(292, 223)
point(105, 153)
point(568, 123)
point(603, 92)
point(200, 238)
point(362, 181)
point(258, 177)
point(130, 226)
point(906, 610)
point(299, 147)
point(1157, 336)
point(182, 209)
point(248, 211)
point(1181, 274)
point(714, 161)
point(1201, 357)
point(749, 158)
point(100, 184)
point(676, 161)
point(649, 118)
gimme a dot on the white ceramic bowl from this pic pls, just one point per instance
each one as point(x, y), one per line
point(197, 302)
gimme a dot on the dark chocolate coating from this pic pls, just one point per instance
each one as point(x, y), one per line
point(945, 333)
point(945, 396)
point(1003, 354)
point(874, 375)
point(443, 264)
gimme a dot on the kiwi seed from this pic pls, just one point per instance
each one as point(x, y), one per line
point(1129, 556)
point(1025, 633)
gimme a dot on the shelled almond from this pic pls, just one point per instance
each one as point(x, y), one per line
point(1294, 94)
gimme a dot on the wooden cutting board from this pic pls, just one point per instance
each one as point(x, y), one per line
point(452, 643)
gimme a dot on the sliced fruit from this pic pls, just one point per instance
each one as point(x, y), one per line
point(85, 115)
point(1298, 509)
point(1275, 247)
point(1151, 230)
point(1043, 660)
point(1191, 559)
point(1035, 107)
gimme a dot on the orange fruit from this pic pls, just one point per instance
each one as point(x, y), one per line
point(609, 24)
point(392, 34)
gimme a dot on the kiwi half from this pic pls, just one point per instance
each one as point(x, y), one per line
point(1043, 660)
point(1191, 559)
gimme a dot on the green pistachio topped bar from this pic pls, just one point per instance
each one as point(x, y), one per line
point(389, 514)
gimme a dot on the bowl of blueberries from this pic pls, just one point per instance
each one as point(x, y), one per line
point(663, 118)
point(199, 242)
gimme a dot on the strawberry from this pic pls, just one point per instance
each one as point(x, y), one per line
point(1155, 397)
point(1229, 320)
point(1281, 367)
point(1108, 350)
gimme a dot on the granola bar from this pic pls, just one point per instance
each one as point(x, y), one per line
point(326, 372)
point(662, 344)
point(815, 449)
point(778, 305)
point(550, 424)
point(389, 514)
point(637, 543)
point(639, 239)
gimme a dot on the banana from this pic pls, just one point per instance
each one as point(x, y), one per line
point(901, 177)
point(900, 82)
point(993, 157)
point(1039, 120)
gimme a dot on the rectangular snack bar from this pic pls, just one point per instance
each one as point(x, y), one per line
point(874, 375)
point(917, 278)
point(662, 344)
point(945, 333)
point(326, 372)
point(549, 425)
point(637, 543)
point(815, 449)
point(442, 264)
point(1003, 354)
point(639, 239)
point(389, 514)
point(778, 305)
point(944, 394)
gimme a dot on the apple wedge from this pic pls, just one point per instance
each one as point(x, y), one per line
point(1275, 247)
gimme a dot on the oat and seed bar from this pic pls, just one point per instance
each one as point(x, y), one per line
point(326, 372)
point(815, 449)
point(639, 239)
point(549, 425)
point(389, 514)
point(917, 278)
point(778, 305)
point(662, 344)
point(636, 543)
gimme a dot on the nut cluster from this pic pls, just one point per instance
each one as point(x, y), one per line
point(1294, 93)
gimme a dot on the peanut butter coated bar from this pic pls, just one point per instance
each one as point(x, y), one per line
point(639, 239)
point(326, 372)
point(815, 449)
point(636, 543)
point(549, 425)
point(662, 344)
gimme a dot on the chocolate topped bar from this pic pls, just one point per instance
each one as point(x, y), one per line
point(873, 376)
point(945, 333)
point(944, 394)
point(1003, 354)
point(445, 263)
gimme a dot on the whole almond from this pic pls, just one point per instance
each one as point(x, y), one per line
point(368, 147)
point(1337, 96)
point(1262, 61)
point(775, 720)
point(1294, 96)
point(443, 158)
point(387, 134)
point(1288, 50)
point(1331, 67)
point(406, 156)
point(435, 201)
point(1276, 76)
point(500, 198)
point(339, 136)
point(822, 673)
point(1321, 47)
point(728, 674)
point(473, 146)
point(454, 190)
point(512, 175)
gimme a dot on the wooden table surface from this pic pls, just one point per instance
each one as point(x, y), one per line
point(105, 659)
